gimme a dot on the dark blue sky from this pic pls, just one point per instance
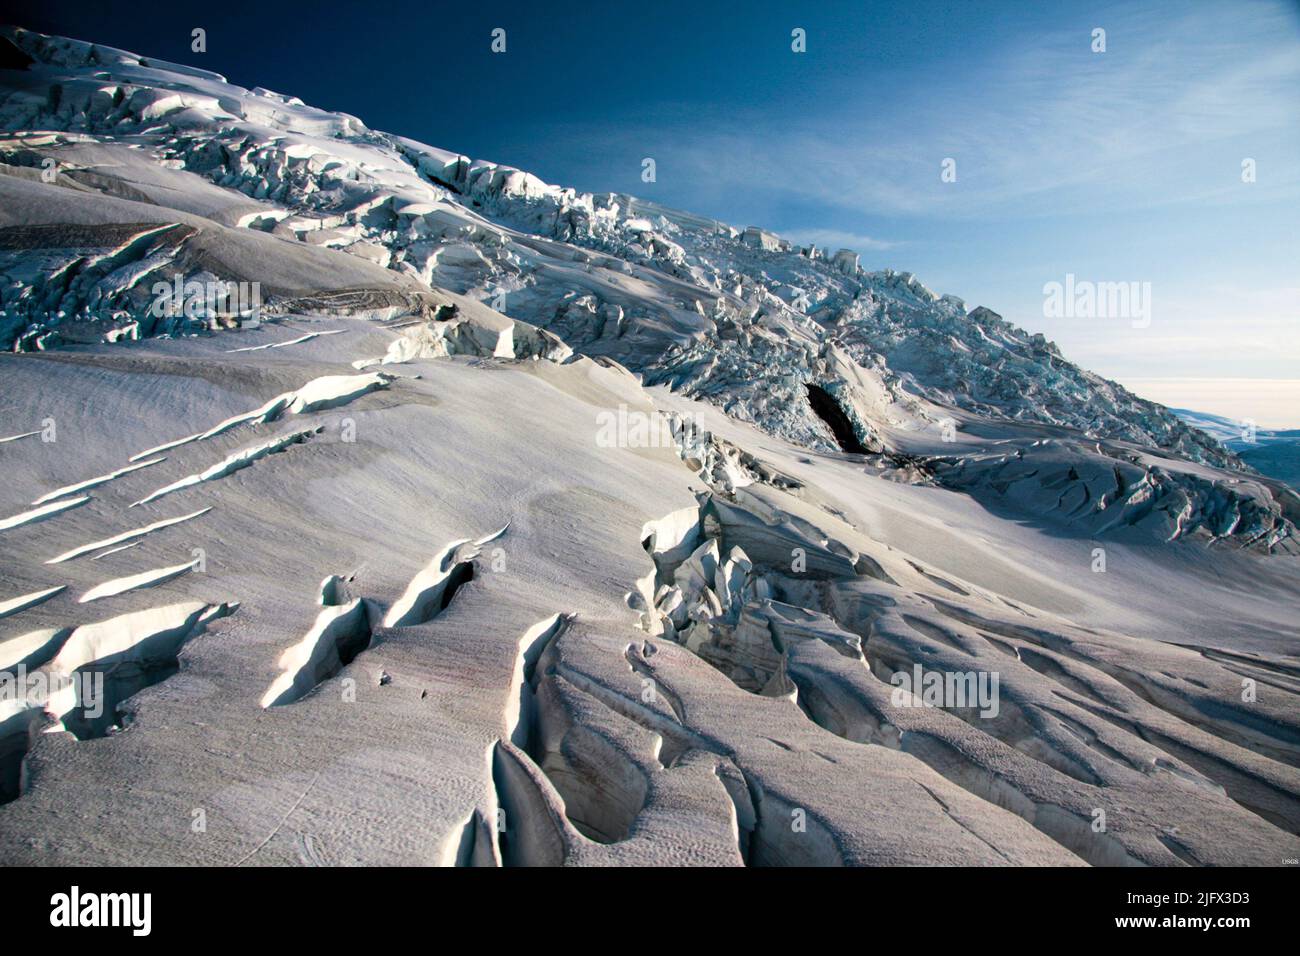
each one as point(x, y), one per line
point(425, 69)
point(1115, 166)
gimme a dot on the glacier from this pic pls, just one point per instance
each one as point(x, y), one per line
point(674, 652)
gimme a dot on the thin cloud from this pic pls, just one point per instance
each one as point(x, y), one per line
point(833, 239)
point(1047, 129)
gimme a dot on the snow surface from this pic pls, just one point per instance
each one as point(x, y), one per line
point(671, 651)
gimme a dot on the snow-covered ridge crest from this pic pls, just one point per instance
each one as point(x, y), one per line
point(378, 224)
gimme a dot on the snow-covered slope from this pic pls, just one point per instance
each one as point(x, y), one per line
point(373, 224)
point(1270, 451)
point(517, 525)
point(610, 274)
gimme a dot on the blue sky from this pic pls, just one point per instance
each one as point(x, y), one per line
point(1115, 166)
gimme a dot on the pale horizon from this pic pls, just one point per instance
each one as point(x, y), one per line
point(1272, 403)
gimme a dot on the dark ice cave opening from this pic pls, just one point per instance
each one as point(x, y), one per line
point(829, 411)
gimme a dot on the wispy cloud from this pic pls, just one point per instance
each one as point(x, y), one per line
point(1163, 116)
point(1123, 165)
point(833, 239)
